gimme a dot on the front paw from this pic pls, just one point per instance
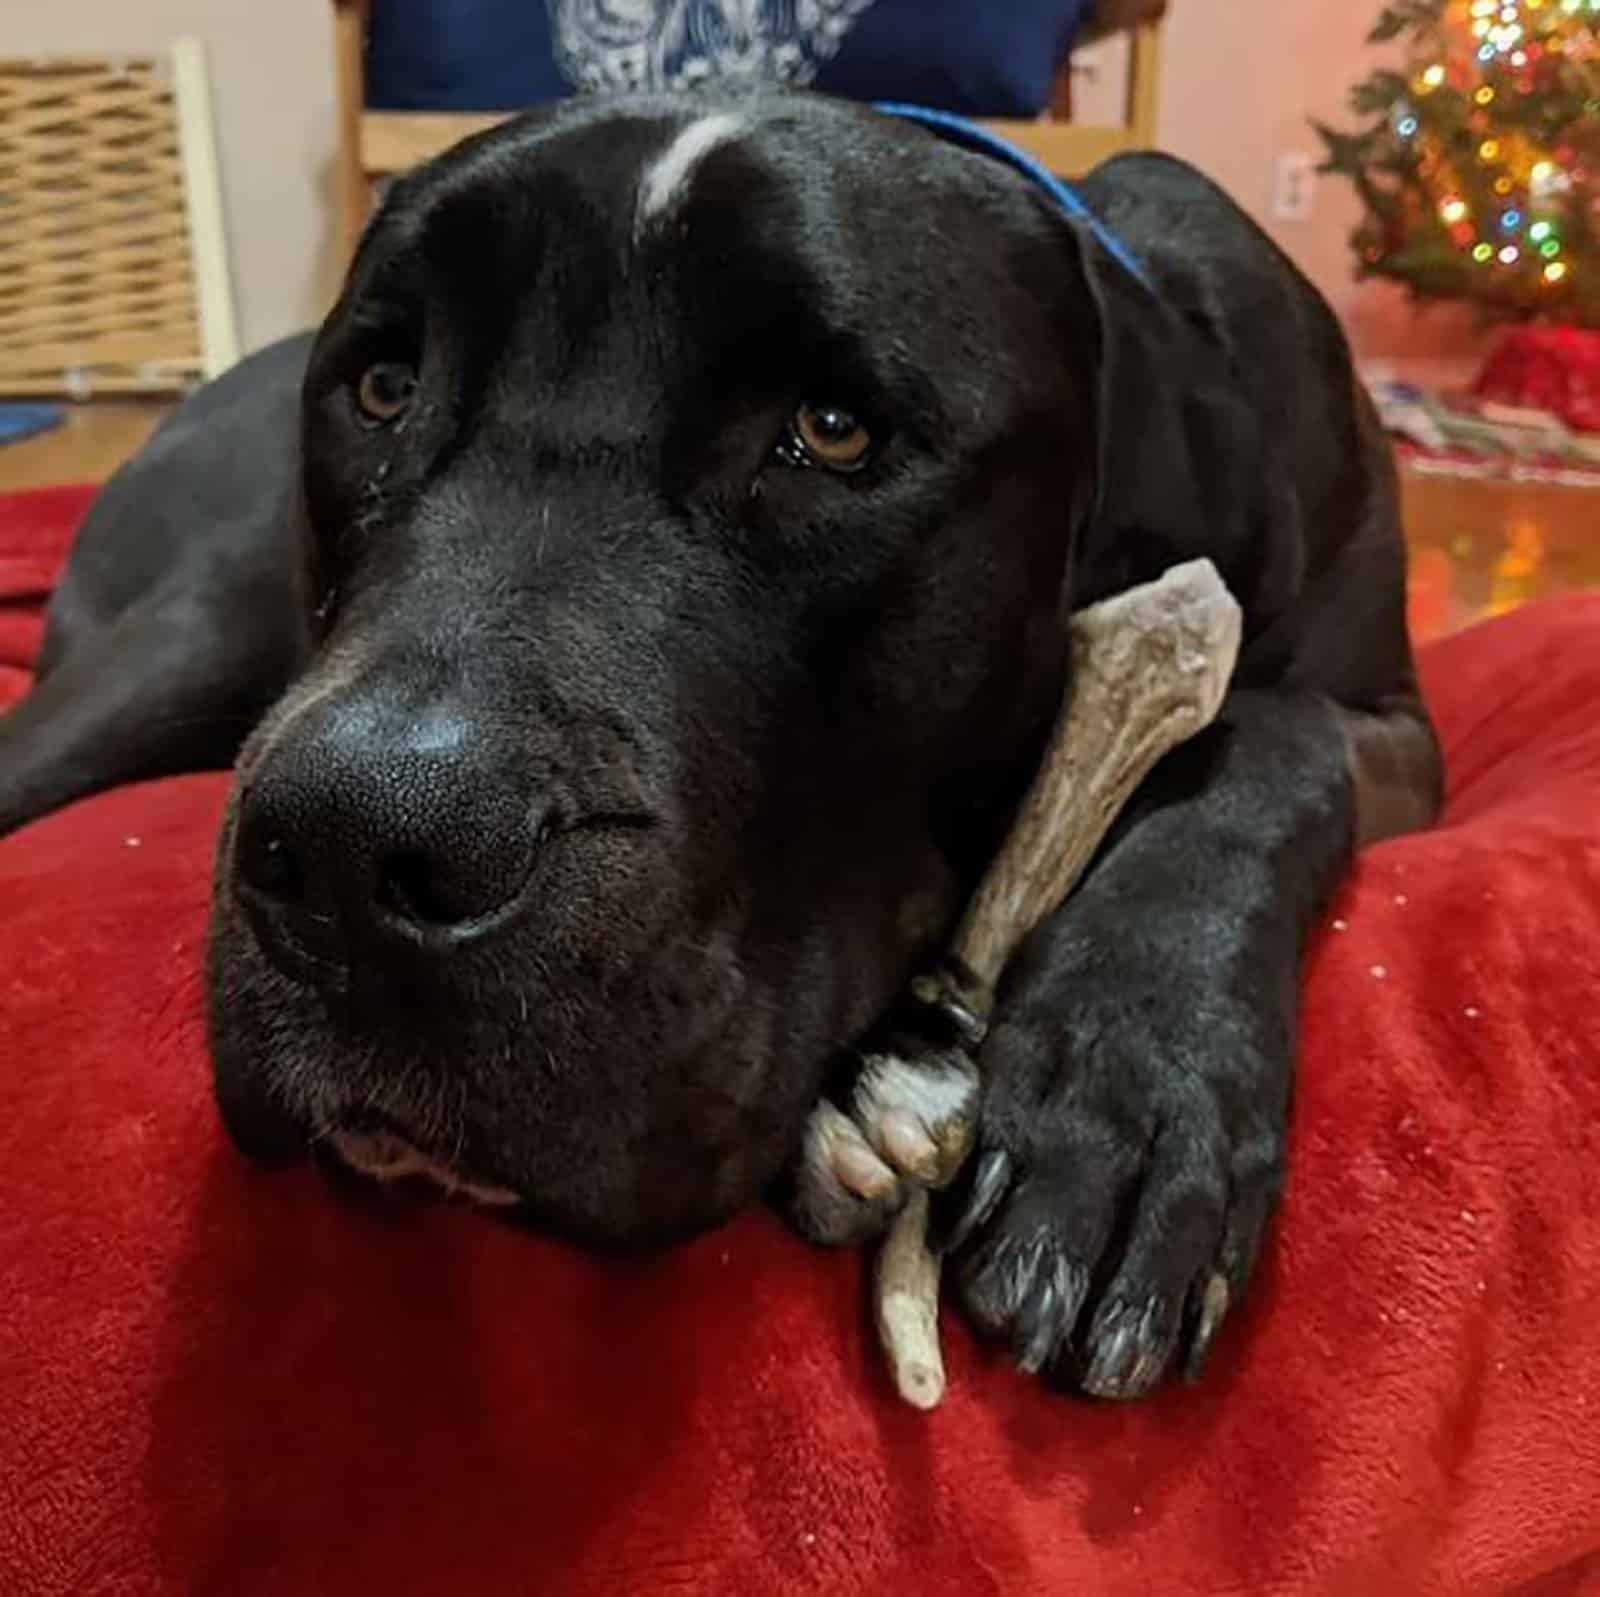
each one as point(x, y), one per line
point(911, 1121)
point(1128, 1161)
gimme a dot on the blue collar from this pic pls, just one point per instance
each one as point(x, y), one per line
point(960, 131)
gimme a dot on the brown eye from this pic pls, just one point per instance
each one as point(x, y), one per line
point(831, 437)
point(385, 390)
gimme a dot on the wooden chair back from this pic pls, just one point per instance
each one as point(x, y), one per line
point(379, 144)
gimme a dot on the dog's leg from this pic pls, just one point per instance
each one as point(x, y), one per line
point(167, 687)
point(1138, 1071)
point(1150, 667)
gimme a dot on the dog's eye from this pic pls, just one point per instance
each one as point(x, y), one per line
point(828, 436)
point(384, 391)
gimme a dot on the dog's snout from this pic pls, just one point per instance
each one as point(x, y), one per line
point(362, 829)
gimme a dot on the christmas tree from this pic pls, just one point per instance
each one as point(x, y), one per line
point(1478, 161)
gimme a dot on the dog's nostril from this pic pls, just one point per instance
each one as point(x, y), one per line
point(272, 867)
point(450, 888)
point(409, 886)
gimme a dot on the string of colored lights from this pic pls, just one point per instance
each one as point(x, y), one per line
point(1497, 53)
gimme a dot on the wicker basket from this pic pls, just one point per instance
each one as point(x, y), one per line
point(113, 274)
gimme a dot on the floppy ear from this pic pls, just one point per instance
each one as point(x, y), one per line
point(1130, 340)
point(1173, 435)
point(1136, 429)
point(1133, 349)
point(1107, 301)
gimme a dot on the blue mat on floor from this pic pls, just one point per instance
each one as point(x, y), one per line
point(23, 421)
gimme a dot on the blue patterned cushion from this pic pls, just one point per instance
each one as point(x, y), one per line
point(977, 57)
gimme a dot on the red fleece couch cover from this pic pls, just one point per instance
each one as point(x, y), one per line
point(215, 1379)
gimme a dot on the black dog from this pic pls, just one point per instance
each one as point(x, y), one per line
point(659, 601)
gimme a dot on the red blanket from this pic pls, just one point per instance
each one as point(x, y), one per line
point(219, 1380)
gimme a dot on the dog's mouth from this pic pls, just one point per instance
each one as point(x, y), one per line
point(386, 1156)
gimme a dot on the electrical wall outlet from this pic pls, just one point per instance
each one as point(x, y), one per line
point(1294, 187)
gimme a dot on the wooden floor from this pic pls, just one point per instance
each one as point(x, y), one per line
point(1476, 548)
point(1481, 548)
point(88, 446)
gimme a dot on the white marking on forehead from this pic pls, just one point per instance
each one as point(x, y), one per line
point(665, 184)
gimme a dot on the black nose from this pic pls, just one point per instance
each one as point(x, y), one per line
point(362, 829)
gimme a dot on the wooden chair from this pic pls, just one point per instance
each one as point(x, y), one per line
point(379, 144)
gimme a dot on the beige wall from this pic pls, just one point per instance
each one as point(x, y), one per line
point(1240, 83)
point(272, 97)
point(1241, 79)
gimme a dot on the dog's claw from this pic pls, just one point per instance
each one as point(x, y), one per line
point(909, 1147)
point(996, 1281)
point(1214, 1305)
point(861, 1171)
point(1038, 1329)
point(1130, 1351)
point(1047, 1317)
point(989, 1184)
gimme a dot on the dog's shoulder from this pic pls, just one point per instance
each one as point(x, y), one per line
point(1180, 222)
point(1222, 277)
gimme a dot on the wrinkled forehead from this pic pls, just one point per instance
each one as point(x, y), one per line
point(792, 213)
point(651, 168)
point(670, 166)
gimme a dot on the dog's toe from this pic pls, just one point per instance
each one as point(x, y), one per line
point(843, 1191)
point(911, 1122)
point(918, 1114)
point(1108, 1261)
point(1129, 1346)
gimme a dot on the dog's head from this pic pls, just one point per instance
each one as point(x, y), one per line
point(689, 495)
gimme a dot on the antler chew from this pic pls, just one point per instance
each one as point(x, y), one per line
point(907, 1283)
point(1149, 669)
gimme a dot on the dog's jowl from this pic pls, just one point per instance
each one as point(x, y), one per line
point(636, 614)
